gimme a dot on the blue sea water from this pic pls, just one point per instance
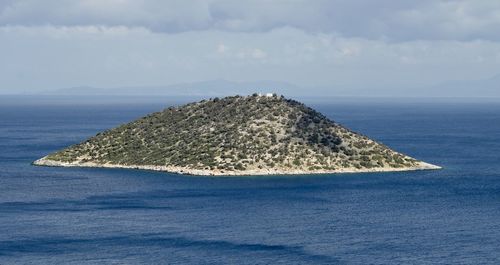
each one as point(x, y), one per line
point(115, 216)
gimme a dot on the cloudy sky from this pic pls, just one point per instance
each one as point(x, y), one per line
point(358, 44)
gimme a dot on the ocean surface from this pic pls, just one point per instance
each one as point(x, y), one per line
point(117, 216)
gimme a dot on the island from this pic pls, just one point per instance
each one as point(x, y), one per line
point(237, 135)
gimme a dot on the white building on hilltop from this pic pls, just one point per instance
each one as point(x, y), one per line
point(268, 95)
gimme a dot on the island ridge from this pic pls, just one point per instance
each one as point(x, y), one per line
point(237, 135)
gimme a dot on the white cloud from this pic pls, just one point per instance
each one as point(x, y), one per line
point(258, 54)
point(338, 43)
point(49, 57)
point(48, 31)
point(252, 53)
point(384, 19)
point(350, 51)
point(221, 48)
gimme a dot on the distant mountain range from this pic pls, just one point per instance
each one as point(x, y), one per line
point(483, 88)
point(205, 88)
point(489, 87)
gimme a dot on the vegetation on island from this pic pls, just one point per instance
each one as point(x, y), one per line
point(235, 134)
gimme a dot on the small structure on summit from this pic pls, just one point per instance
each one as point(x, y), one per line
point(268, 95)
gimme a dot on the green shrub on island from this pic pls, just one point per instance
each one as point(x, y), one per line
point(235, 134)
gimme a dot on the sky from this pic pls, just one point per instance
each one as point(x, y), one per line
point(395, 46)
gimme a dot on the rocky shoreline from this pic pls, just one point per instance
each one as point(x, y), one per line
point(252, 172)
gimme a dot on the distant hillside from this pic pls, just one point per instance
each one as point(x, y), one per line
point(205, 88)
point(489, 87)
point(234, 136)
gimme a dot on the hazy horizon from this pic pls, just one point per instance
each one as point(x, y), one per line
point(203, 47)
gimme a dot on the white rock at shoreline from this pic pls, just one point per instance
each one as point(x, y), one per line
point(254, 172)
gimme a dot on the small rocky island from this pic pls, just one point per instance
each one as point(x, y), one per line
point(239, 135)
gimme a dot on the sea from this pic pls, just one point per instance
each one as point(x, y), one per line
point(51, 215)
